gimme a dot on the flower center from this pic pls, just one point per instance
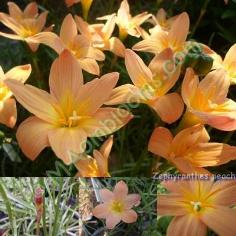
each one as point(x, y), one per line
point(197, 206)
point(117, 206)
point(71, 121)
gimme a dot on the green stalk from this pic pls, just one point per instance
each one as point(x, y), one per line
point(8, 207)
point(57, 207)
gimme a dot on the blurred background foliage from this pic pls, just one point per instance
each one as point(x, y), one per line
point(212, 22)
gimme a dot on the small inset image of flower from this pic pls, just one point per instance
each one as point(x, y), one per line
point(113, 206)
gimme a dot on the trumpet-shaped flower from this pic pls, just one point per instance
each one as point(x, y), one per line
point(151, 85)
point(207, 101)
point(68, 115)
point(75, 43)
point(24, 23)
point(100, 35)
point(127, 24)
point(117, 205)
point(190, 150)
point(8, 113)
point(161, 39)
point(86, 4)
point(96, 166)
point(197, 205)
point(228, 64)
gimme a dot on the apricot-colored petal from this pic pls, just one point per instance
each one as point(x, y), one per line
point(82, 26)
point(92, 53)
point(106, 147)
point(123, 13)
point(31, 10)
point(8, 113)
point(157, 64)
point(68, 30)
point(224, 192)
point(102, 163)
point(169, 107)
point(66, 77)
point(140, 18)
point(216, 153)
point(90, 65)
point(178, 35)
point(109, 27)
point(220, 219)
point(11, 36)
point(112, 220)
point(10, 23)
point(149, 45)
point(65, 140)
point(129, 216)
point(187, 225)
point(20, 73)
point(32, 136)
point(48, 38)
point(132, 200)
point(107, 121)
point(164, 70)
point(14, 10)
point(189, 86)
point(35, 100)
point(139, 73)
point(106, 195)
point(41, 21)
point(160, 142)
point(186, 167)
point(225, 121)
point(93, 94)
point(215, 86)
point(101, 211)
point(230, 57)
point(170, 205)
point(120, 190)
point(87, 167)
point(117, 47)
point(126, 93)
point(188, 138)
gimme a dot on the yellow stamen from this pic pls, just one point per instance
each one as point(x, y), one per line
point(117, 206)
point(73, 120)
point(197, 206)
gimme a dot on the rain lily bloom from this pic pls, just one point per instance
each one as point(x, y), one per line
point(8, 113)
point(228, 64)
point(86, 4)
point(197, 205)
point(75, 43)
point(161, 39)
point(117, 205)
point(127, 24)
point(24, 23)
point(162, 21)
point(68, 115)
point(96, 166)
point(190, 150)
point(151, 85)
point(207, 101)
point(100, 35)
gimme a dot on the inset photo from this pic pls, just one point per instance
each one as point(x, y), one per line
point(196, 207)
point(39, 207)
point(117, 206)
